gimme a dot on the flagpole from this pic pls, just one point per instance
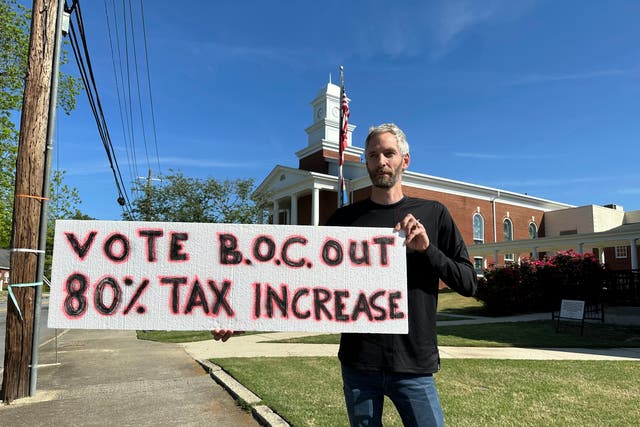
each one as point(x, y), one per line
point(342, 140)
point(340, 152)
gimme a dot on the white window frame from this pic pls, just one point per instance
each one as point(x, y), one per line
point(504, 235)
point(482, 264)
point(535, 228)
point(622, 252)
point(481, 236)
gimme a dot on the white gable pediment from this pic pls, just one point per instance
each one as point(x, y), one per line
point(284, 180)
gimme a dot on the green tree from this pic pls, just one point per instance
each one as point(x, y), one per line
point(63, 204)
point(64, 200)
point(183, 199)
point(14, 47)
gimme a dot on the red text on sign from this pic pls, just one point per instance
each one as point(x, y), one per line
point(318, 303)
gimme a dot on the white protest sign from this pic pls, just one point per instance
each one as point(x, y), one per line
point(189, 276)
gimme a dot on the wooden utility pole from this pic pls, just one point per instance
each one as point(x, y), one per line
point(27, 202)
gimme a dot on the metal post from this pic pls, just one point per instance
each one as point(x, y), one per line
point(634, 254)
point(42, 239)
point(315, 206)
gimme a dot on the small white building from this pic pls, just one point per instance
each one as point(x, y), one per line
point(5, 262)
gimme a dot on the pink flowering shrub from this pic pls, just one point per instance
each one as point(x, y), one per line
point(539, 285)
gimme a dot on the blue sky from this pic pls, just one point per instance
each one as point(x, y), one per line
point(537, 97)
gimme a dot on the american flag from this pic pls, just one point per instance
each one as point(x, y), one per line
point(343, 198)
point(344, 111)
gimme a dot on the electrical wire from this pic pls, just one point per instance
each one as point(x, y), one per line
point(119, 89)
point(134, 165)
point(153, 115)
point(125, 92)
point(86, 72)
point(137, 75)
point(128, 15)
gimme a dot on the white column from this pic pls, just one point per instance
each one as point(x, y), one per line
point(534, 252)
point(495, 257)
point(580, 248)
point(601, 255)
point(634, 254)
point(294, 209)
point(315, 206)
point(276, 212)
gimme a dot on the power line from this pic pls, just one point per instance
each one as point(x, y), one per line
point(119, 90)
point(137, 75)
point(88, 79)
point(125, 56)
point(128, 14)
point(130, 108)
point(146, 56)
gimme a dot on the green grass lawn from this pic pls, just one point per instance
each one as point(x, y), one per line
point(307, 391)
point(507, 334)
point(450, 302)
point(174, 336)
point(541, 333)
point(181, 336)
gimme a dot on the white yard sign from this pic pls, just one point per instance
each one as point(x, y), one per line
point(188, 276)
point(572, 309)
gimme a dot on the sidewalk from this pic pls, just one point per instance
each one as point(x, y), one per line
point(112, 378)
point(259, 345)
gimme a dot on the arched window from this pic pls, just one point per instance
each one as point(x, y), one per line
point(533, 230)
point(478, 228)
point(508, 230)
point(508, 236)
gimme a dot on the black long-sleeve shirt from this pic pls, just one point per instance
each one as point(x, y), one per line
point(446, 258)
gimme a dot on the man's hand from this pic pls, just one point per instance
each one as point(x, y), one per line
point(416, 235)
point(224, 334)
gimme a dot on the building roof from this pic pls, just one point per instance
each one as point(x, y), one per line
point(286, 180)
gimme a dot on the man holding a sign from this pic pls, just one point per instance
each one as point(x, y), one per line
point(402, 366)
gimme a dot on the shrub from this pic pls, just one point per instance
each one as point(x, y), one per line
point(538, 285)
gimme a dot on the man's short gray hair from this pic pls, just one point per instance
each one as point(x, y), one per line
point(403, 145)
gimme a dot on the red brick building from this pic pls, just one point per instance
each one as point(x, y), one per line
point(498, 226)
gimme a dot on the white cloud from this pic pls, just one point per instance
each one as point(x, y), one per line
point(453, 18)
point(408, 29)
point(544, 78)
point(98, 168)
point(629, 191)
point(549, 182)
point(219, 52)
point(202, 163)
point(478, 155)
point(458, 16)
point(490, 156)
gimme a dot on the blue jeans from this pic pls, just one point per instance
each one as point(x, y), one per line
point(414, 395)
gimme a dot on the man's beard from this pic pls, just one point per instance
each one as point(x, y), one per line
point(385, 181)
